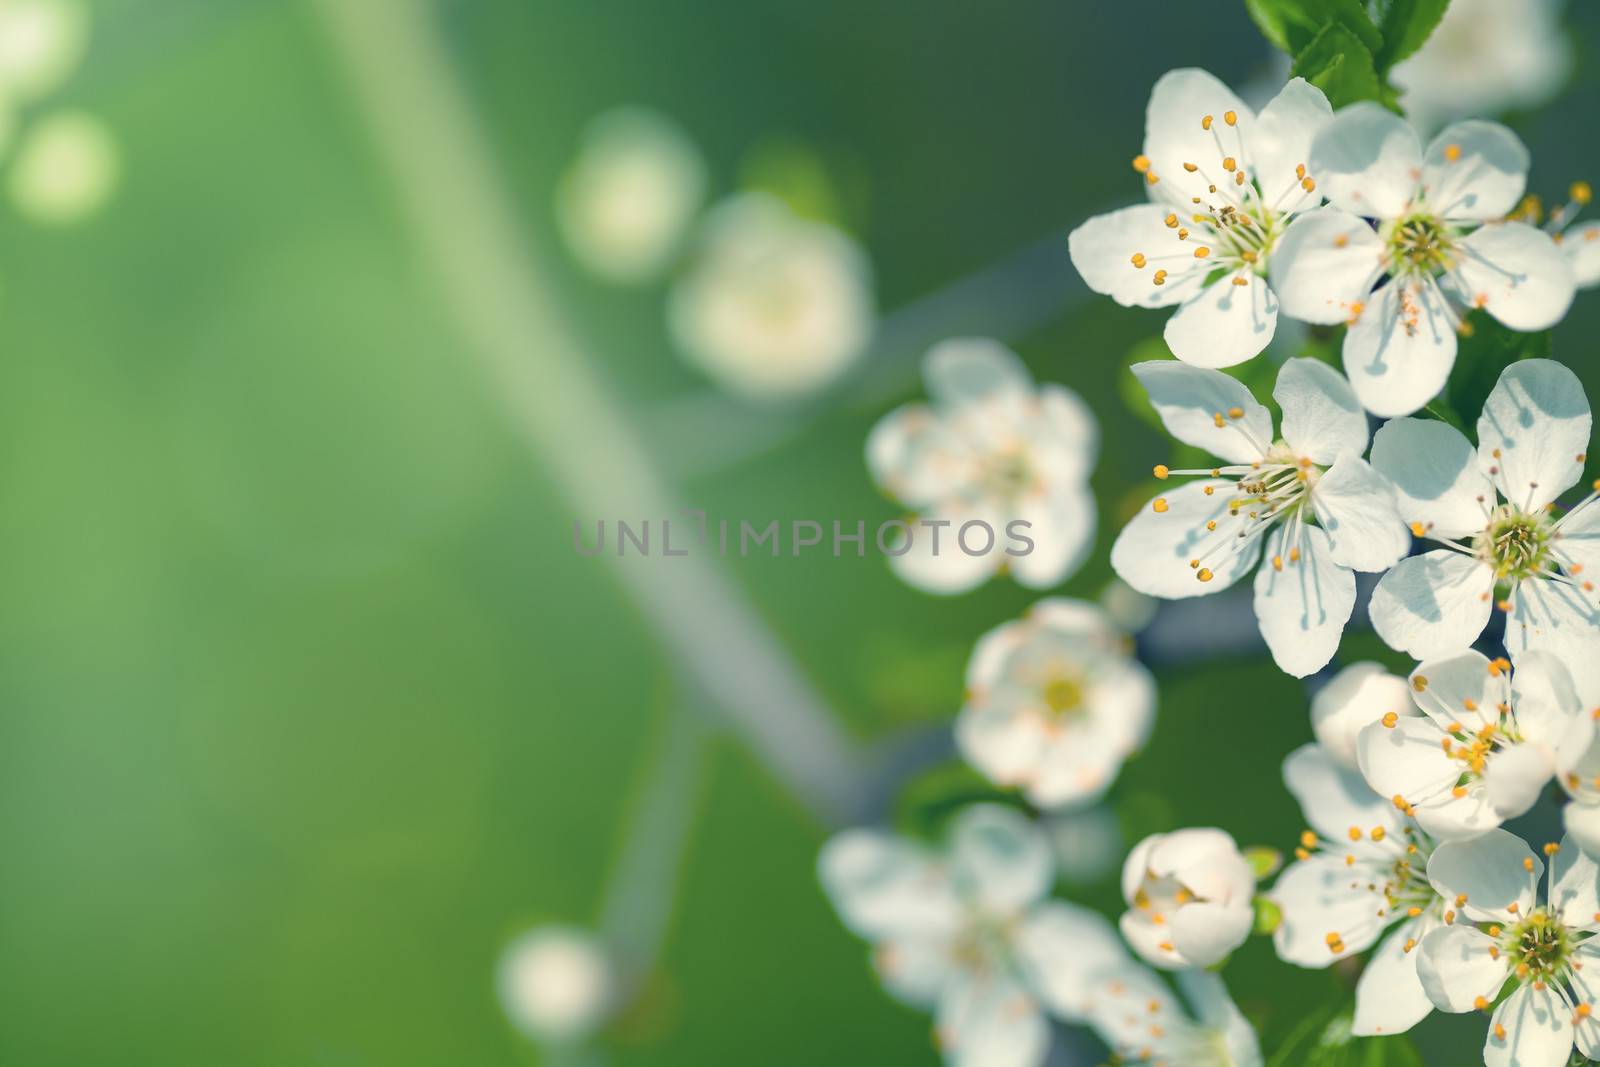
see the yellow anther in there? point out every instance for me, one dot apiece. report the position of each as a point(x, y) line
point(1452, 152)
point(1378, 833)
point(1138, 259)
point(1551, 848)
point(1231, 118)
point(1308, 839)
point(1277, 563)
point(1241, 280)
point(1141, 163)
point(1418, 530)
point(1160, 277)
point(1236, 413)
point(1216, 418)
point(1390, 719)
point(1171, 221)
point(1205, 123)
point(1294, 555)
point(1227, 162)
point(1159, 505)
point(1150, 178)
point(1205, 574)
point(1499, 1032)
point(1190, 167)
point(1527, 863)
point(1161, 471)
point(1413, 912)
point(1419, 682)
point(1355, 833)
point(1411, 943)
point(1308, 184)
point(1202, 252)
point(1581, 193)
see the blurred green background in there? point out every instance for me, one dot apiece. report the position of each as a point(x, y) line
point(308, 706)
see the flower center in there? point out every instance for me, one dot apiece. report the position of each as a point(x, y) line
point(1419, 245)
point(1063, 695)
point(1516, 543)
point(984, 944)
point(1538, 947)
point(1007, 474)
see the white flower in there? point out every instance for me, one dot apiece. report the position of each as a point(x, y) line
point(1491, 509)
point(1307, 500)
point(1055, 704)
point(972, 935)
point(556, 983)
point(1223, 184)
point(773, 305)
point(994, 449)
point(1490, 738)
point(41, 42)
point(1485, 57)
point(626, 201)
point(1440, 236)
point(67, 167)
point(1545, 952)
point(1359, 694)
point(1578, 240)
point(1135, 1013)
point(1189, 896)
point(1357, 875)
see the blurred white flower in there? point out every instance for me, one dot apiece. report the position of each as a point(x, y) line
point(1485, 57)
point(772, 305)
point(1358, 695)
point(1223, 183)
point(1533, 439)
point(1189, 896)
point(626, 202)
point(972, 934)
point(1136, 1015)
point(1545, 952)
point(1358, 873)
point(556, 983)
point(1491, 736)
point(66, 168)
point(1441, 239)
point(1208, 534)
point(992, 448)
point(41, 43)
point(1055, 704)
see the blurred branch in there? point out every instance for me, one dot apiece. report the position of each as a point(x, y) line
point(469, 235)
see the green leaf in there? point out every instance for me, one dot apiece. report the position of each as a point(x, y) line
point(1293, 24)
point(929, 800)
point(1487, 349)
point(1406, 25)
point(1337, 62)
point(1264, 862)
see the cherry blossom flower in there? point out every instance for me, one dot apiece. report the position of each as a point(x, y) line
point(1485, 57)
point(772, 305)
point(1306, 501)
point(1223, 184)
point(1358, 876)
point(1189, 896)
point(1135, 1013)
point(1439, 237)
point(992, 449)
point(1493, 511)
point(971, 934)
point(1578, 239)
point(1545, 952)
point(1055, 704)
point(1360, 694)
point(1491, 736)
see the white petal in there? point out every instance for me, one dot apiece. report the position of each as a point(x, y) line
point(1578, 536)
point(935, 563)
point(1581, 819)
point(1576, 892)
point(1581, 246)
point(1152, 943)
point(1356, 697)
point(1515, 777)
point(1216, 1011)
point(1136, 866)
point(1535, 428)
point(990, 656)
point(884, 886)
point(1000, 857)
point(1062, 947)
point(1122, 1000)
point(1207, 861)
point(1538, 1028)
point(1004, 745)
point(1061, 525)
point(1302, 608)
point(914, 970)
point(1281, 138)
point(1065, 437)
point(1475, 170)
point(1406, 760)
point(1389, 995)
point(1075, 769)
point(1324, 266)
point(1103, 248)
point(1316, 899)
point(1173, 134)
point(963, 370)
point(1189, 401)
point(1459, 689)
point(1400, 349)
point(1543, 697)
point(990, 1021)
point(1436, 474)
point(1517, 274)
point(1334, 799)
point(1205, 933)
point(904, 453)
point(1360, 511)
point(1432, 604)
point(1322, 419)
point(1154, 550)
point(1227, 322)
point(1551, 616)
point(1368, 161)
point(1493, 872)
point(1455, 967)
point(1451, 818)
